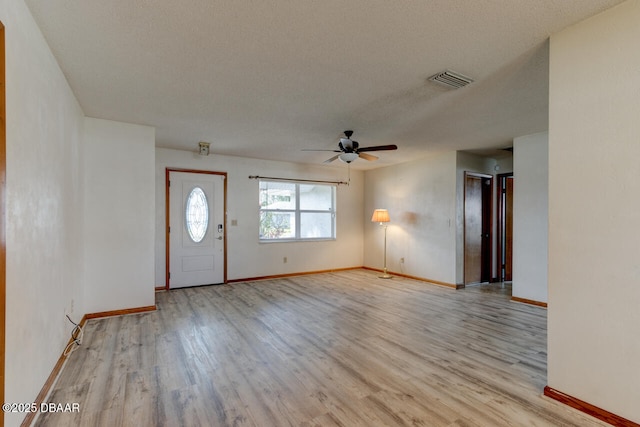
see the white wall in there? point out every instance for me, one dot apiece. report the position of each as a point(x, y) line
point(44, 208)
point(119, 209)
point(421, 199)
point(594, 211)
point(246, 256)
point(530, 216)
point(504, 164)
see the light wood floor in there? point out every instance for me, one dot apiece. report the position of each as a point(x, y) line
point(339, 349)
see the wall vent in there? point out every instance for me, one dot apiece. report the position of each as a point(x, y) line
point(451, 79)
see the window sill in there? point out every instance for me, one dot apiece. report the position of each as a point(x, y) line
point(327, 239)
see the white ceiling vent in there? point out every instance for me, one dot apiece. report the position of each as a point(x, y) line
point(451, 79)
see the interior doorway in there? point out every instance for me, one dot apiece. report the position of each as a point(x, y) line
point(505, 227)
point(478, 190)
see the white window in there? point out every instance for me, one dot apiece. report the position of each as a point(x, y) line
point(295, 211)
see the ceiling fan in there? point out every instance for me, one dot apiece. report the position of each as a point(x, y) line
point(350, 150)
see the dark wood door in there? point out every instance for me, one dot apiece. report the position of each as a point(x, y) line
point(508, 230)
point(477, 228)
point(505, 227)
point(472, 229)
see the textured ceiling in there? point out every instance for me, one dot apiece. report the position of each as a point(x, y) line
point(266, 79)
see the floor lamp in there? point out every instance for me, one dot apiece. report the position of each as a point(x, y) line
point(382, 216)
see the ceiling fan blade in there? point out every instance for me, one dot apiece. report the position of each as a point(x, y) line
point(331, 159)
point(368, 157)
point(311, 149)
point(378, 148)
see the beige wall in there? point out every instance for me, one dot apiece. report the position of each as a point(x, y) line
point(119, 211)
point(421, 199)
point(594, 211)
point(425, 199)
point(246, 256)
point(530, 216)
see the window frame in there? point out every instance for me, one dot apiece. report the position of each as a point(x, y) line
point(297, 212)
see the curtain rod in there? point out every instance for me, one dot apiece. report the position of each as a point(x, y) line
point(299, 180)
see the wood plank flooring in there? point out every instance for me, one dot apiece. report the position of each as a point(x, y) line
point(335, 349)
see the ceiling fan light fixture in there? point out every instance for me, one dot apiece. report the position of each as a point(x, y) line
point(348, 157)
point(349, 150)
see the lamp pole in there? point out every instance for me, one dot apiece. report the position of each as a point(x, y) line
point(385, 275)
point(382, 216)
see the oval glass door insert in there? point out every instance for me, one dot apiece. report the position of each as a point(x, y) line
point(197, 214)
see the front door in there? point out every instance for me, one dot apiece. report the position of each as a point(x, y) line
point(196, 229)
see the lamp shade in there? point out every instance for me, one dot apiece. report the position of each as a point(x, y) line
point(380, 215)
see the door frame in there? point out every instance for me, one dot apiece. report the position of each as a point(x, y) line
point(501, 226)
point(167, 218)
point(487, 206)
point(3, 213)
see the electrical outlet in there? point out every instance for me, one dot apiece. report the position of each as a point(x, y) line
point(402, 260)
